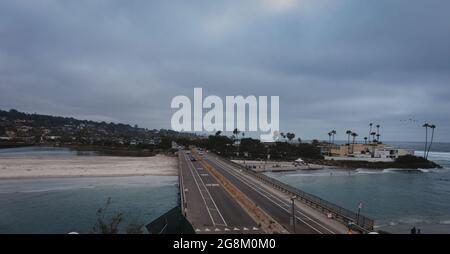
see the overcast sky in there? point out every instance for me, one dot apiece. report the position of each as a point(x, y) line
point(335, 64)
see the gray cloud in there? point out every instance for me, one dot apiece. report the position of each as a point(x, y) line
point(334, 64)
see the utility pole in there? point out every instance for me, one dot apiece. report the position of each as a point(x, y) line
point(293, 212)
point(359, 211)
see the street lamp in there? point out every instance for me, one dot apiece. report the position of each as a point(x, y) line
point(359, 211)
point(293, 212)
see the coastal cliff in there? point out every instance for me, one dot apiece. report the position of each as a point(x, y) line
point(403, 162)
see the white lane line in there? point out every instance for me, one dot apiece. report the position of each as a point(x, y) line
point(214, 203)
point(195, 180)
point(286, 204)
point(247, 182)
point(277, 204)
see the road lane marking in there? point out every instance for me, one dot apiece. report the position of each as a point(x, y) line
point(201, 194)
point(283, 202)
point(247, 182)
point(212, 200)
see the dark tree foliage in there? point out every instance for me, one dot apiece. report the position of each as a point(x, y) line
point(253, 148)
point(166, 143)
point(220, 144)
point(51, 121)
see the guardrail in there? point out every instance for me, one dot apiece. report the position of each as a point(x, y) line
point(353, 219)
point(181, 185)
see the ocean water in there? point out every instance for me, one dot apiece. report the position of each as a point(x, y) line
point(60, 206)
point(396, 200)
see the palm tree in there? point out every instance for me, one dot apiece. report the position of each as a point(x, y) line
point(236, 136)
point(333, 132)
point(329, 142)
point(432, 126)
point(373, 136)
point(370, 130)
point(354, 135)
point(365, 140)
point(378, 132)
point(290, 136)
point(348, 132)
point(425, 125)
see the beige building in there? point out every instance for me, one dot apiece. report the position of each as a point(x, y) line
point(348, 150)
point(371, 151)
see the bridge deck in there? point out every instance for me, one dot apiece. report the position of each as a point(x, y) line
point(210, 208)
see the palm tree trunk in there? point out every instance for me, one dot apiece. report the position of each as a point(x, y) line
point(348, 143)
point(431, 142)
point(329, 144)
point(426, 142)
point(353, 146)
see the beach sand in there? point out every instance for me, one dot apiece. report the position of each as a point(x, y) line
point(85, 166)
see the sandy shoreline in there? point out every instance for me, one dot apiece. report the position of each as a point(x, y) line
point(85, 166)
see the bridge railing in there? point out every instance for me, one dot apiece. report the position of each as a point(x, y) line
point(181, 185)
point(339, 213)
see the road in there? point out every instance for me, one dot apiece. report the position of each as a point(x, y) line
point(278, 208)
point(209, 207)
